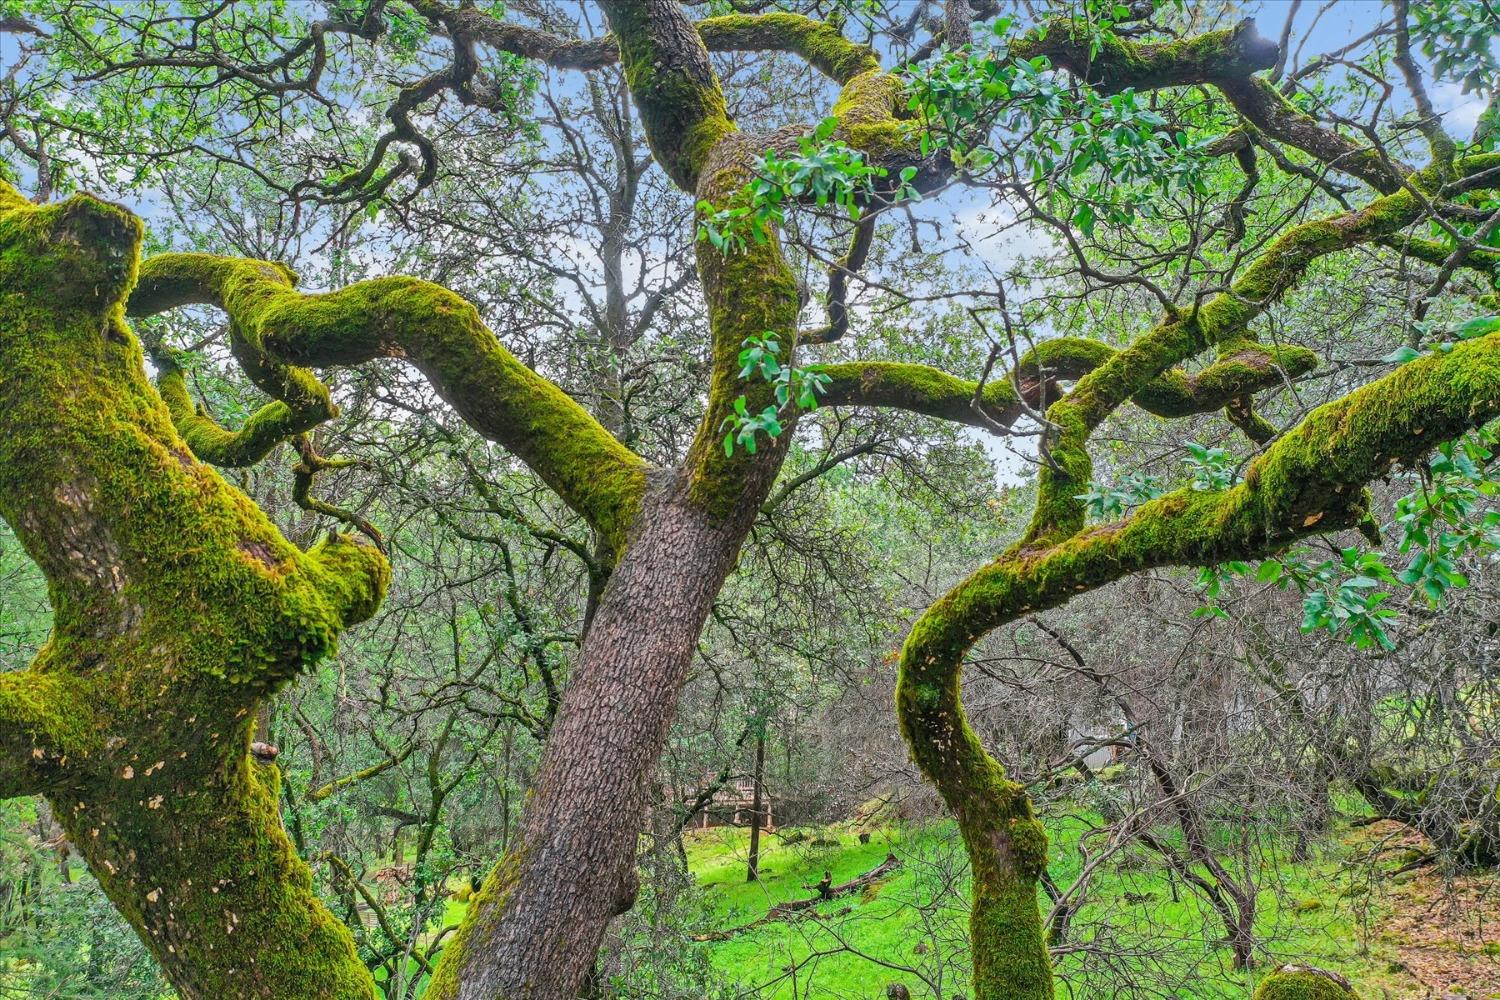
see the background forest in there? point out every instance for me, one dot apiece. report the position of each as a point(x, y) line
point(1294, 759)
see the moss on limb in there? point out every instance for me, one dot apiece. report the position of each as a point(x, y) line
point(817, 42)
point(442, 335)
point(267, 427)
point(1222, 322)
point(42, 722)
point(1227, 59)
point(1112, 64)
point(1312, 480)
point(821, 44)
point(1175, 393)
point(749, 293)
point(674, 87)
point(178, 608)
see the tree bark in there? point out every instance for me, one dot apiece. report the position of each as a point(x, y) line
point(178, 609)
point(544, 909)
point(752, 873)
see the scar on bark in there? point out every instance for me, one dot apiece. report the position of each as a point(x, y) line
point(260, 552)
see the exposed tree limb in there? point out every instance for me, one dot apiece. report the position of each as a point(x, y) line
point(442, 335)
point(1311, 480)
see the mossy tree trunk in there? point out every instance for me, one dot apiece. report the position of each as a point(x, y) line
point(178, 609)
point(1310, 480)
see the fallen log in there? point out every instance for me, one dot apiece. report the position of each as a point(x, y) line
point(795, 907)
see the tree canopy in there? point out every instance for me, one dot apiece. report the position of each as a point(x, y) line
point(648, 401)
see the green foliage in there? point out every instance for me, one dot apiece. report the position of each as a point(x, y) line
point(62, 938)
point(1459, 37)
point(922, 902)
point(1211, 468)
point(824, 171)
point(1450, 516)
point(792, 385)
point(1107, 503)
point(1094, 156)
point(1479, 326)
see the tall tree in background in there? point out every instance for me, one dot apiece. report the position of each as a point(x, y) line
point(180, 610)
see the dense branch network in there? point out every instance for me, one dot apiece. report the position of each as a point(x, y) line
point(1310, 479)
point(277, 328)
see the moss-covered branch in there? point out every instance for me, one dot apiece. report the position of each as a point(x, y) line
point(1175, 393)
point(675, 89)
point(42, 724)
point(1222, 322)
point(818, 43)
point(177, 609)
point(1226, 59)
point(1111, 63)
point(1482, 261)
point(1312, 480)
point(442, 335)
point(266, 428)
point(749, 293)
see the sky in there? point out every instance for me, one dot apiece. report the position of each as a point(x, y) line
point(1318, 27)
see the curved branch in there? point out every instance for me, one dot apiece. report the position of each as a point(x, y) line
point(266, 428)
point(819, 43)
point(1223, 322)
point(674, 86)
point(1227, 59)
point(440, 333)
point(1112, 64)
point(1310, 481)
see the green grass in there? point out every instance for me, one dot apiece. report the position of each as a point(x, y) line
point(1306, 913)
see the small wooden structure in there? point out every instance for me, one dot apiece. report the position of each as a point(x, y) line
point(734, 805)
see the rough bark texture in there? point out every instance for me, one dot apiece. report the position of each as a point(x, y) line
point(545, 908)
point(178, 609)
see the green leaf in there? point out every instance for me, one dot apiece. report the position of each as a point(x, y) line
point(1270, 571)
point(1477, 327)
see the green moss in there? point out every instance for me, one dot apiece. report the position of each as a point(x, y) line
point(1293, 983)
point(1113, 63)
point(1286, 260)
point(264, 430)
point(440, 333)
point(177, 609)
point(1310, 480)
point(866, 109)
point(1243, 365)
point(675, 90)
point(749, 293)
point(480, 920)
point(821, 44)
point(920, 389)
